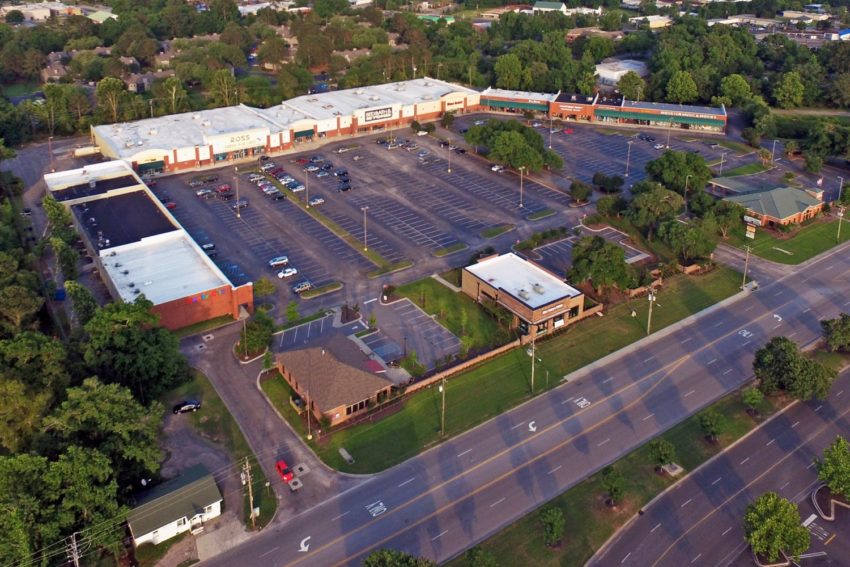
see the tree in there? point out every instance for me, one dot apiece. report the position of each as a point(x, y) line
point(273, 51)
point(478, 557)
point(752, 398)
point(681, 88)
point(66, 257)
point(84, 302)
point(814, 163)
point(127, 347)
point(839, 90)
point(258, 333)
point(663, 452)
point(554, 524)
point(610, 205)
point(834, 469)
point(789, 90)
point(327, 8)
point(512, 149)
point(447, 120)
point(223, 88)
point(613, 483)
point(736, 89)
point(678, 170)
point(711, 423)
point(606, 183)
point(837, 332)
point(18, 306)
point(632, 86)
point(395, 558)
point(653, 207)
point(110, 94)
point(727, 215)
point(772, 525)
point(780, 365)
point(174, 93)
point(580, 191)
point(508, 71)
point(690, 241)
point(14, 17)
point(601, 262)
point(264, 287)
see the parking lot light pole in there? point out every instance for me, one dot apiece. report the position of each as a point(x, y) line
point(50, 151)
point(840, 209)
point(449, 170)
point(365, 241)
point(746, 266)
point(550, 132)
point(649, 318)
point(687, 178)
point(442, 388)
point(722, 157)
point(238, 208)
point(669, 130)
point(307, 188)
point(628, 156)
point(773, 152)
point(521, 168)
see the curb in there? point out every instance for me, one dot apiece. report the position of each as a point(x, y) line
point(252, 360)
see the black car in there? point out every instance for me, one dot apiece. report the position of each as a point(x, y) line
point(210, 178)
point(341, 172)
point(278, 196)
point(343, 178)
point(344, 186)
point(460, 150)
point(187, 406)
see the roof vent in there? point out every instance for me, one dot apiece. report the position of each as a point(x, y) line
point(149, 282)
point(374, 97)
point(92, 183)
point(152, 132)
point(125, 272)
point(131, 285)
point(137, 291)
point(524, 294)
point(206, 123)
point(140, 143)
point(196, 117)
point(539, 288)
point(358, 92)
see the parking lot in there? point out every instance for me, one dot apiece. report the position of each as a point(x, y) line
point(557, 256)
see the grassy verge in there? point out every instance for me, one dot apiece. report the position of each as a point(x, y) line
point(216, 424)
point(655, 247)
point(541, 214)
point(203, 326)
point(148, 554)
point(809, 241)
point(589, 521)
point(389, 269)
point(452, 276)
point(747, 169)
point(456, 311)
point(279, 393)
point(495, 231)
point(321, 290)
point(737, 147)
point(504, 381)
point(445, 251)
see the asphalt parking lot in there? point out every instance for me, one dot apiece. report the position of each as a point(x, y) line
point(557, 256)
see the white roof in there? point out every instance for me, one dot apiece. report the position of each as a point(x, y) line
point(92, 172)
point(527, 282)
point(163, 267)
point(615, 66)
point(345, 102)
point(501, 93)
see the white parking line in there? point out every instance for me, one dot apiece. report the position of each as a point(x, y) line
point(647, 417)
point(556, 469)
point(744, 461)
point(795, 424)
point(729, 529)
point(784, 485)
point(769, 443)
point(686, 502)
point(603, 442)
point(716, 480)
point(727, 371)
point(626, 557)
point(658, 525)
point(712, 361)
point(695, 559)
point(439, 535)
point(464, 453)
point(408, 481)
point(497, 502)
point(689, 393)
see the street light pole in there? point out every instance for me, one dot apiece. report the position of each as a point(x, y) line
point(365, 241)
point(773, 152)
point(649, 318)
point(840, 208)
point(307, 188)
point(746, 266)
point(533, 359)
point(443, 408)
point(668, 138)
point(521, 168)
point(50, 151)
point(238, 208)
point(449, 150)
point(687, 178)
point(628, 156)
point(722, 156)
point(550, 132)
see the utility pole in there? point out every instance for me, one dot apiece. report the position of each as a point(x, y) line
point(534, 336)
point(449, 170)
point(73, 551)
point(365, 241)
point(50, 151)
point(443, 409)
point(649, 319)
point(840, 208)
point(246, 468)
point(307, 188)
point(746, 265)
point(628, 156)
point(722, 156)
point(151, 105)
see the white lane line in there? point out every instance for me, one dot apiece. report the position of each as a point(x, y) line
point(439, 535)
point(695, 559)
point(689, 393)
point(626, 557)
point(658, 525)
point(648, 359)
point(464, 453)
point(370, 301)
point(408, 481)
point(795, 424)
point(688, 501)
point(647, 417)
point(269, 552)
point(729, 529)
point(784, 485)
point(341, 515)
point(568, 400)
point(602, 443)
point(718, 324)
point(556, 469)
point(518, 425)
point(744, 461)
point(716, 480)
point(777, 325)
point(778, 293)
point(807, 309)
point(838, 395)
point(769, 443)
point(792, 334)
point(810, 466)
point(497, 502)
point(819, 407)
point(607, 380)
point(750, 307)
point(687, 340)
point(746, 343)
point(712, 361)
point(727, 371)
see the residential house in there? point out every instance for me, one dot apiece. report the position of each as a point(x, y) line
point(179, 505)
point(54, 72)
point(130, 63)
point(139, 82)
point(335, 378)
point(101, 16)
point(543, 6)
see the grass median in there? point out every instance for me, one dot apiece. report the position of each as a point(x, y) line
point(809, 241)
point(747, 169)
point(504, 381)
point(495, 231)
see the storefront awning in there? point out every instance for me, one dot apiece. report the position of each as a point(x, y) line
point(626, 115)
point(543, 107)
point(305, 134)
point(150, 166)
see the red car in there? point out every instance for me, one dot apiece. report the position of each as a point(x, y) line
point(283, 471)
point(568, 131)
point(171, 205)
point(302, 161)
point(223, 188)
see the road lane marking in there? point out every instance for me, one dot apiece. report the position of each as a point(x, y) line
point(658, 525)
point(712, 361)
point(744, 461)
point(687, 340)
point(602, 443)
point(819, 407)
point(518, 425)
point(746, 343)
point(408, 481)
point(718, 324)
point(795, 424)
point(340, 516)
point(497, 502)
point(556, 469)
point(716, 480)
point(464, 453)
point(269, 552)
point(727, 371)
point(439, 535)
point(777, 325)
point(647, 417)
point(568, 400)
point(838, 395)
point(807, 309)
point(784, 485)
point(769, 443)
point(370, 301)
point(778, 293)
point(689, 393)
point(810, 466)
point(607, 380)
point(626, 557)
point(729, 529)
point(648, 359)
point(688, 501)
point(695, 559)
point(750, 307)
point(792, 334)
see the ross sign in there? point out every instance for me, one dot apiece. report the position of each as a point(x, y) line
point(752, 220)
point(751, 231)
point(223, 143)
point(378, 114)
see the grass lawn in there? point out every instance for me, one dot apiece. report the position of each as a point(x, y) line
point(148, 554)
point(655, 247)
point(737, 147)
point(203, 326)
point(589, 522)
point(503, 382)
point(445, 251)
point(809, 241)
point(452, 276)
point(323, 290)
point(748, 169)
point(279, 392)
point(215, 423)
point(20, 89)
point(456, 311)
point(545, 213)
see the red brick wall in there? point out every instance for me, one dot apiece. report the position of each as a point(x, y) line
point(203, 306)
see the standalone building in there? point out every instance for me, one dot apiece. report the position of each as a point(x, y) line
point(778, 206)
point(138, 247)
point(543, 7)
point(539, 301)
point(610, 71)
point(176, 506)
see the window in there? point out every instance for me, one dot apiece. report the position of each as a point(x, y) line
point(573, 312)
point(208, 509)
point(181, 522)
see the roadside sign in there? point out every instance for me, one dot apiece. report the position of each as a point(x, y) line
point(751, 231)
point(752, 220)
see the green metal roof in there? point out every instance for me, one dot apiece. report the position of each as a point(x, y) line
point(549, 5)
point(513, 104)
point(779, 203)
point(626, 115)
point(182, 497)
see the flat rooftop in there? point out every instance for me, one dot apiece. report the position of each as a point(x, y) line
point(345, 102)
point(576, 98)
point(715, 110)
point(76, 183)
point(94, 187)
point(119, 220)
point(164, 267)
point(526, 282)
point(617, 65)
point(502, 93)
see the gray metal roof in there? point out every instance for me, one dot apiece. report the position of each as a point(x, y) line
point(715, 110)
point(779, 203)
point(182, 497)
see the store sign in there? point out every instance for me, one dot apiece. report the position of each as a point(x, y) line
point(689, 114)
point(752, 220)
point(751, 231)
point(571, 108)
point(378, 114)
point(236, 141)
point(451, 103)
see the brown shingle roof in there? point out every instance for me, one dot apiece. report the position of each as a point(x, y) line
point(333, 372)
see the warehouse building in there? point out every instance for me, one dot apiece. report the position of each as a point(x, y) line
point(139, 248)
point(610, 71)
point(221, 135)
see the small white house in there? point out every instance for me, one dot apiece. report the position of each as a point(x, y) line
point(176, 506)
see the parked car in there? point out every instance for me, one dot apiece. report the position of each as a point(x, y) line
point(357, 158)
point(267, 166)
point(302, 286)
point(204, 191)
point(497, 168)
point(278, 261)
point(209, 178)
point(187, 406)
point(226, 196)
point(269, 190)
point(322, 174)
point(311, 168)
point(327, 166)
point(208, 246)
point(240, 204)
point(302, 161)
point(170, 205)
point(277, 196)
point(479, 123)
point(283, 471)
point(658, 146)
point(223, 188)
point(316, 201)
point(287, 273)
point(254, 177)
point(422, 154)
point(295, 187)
point(568, 130)
point(460, 150)
point(317, 159)
point(422, 133)
point(195, 182)
point(344, 186)
point(340, 171)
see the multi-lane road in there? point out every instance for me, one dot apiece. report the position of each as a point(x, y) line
point(443, 501)
point(699, 521)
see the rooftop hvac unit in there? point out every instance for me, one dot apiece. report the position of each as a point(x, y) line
point(358, 92)
point(125, 272)
point(149, 282)
point(539, 289)
point(92, 183)
point(131, 285)
point(374, 97)
point(524, 294)
point(152, 132)
point(196, 117)
point(140, 143)
point(137, 291)
point(206, 123)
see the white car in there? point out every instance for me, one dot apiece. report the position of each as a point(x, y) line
point(254, 177)
point(270, 189)
point(297, 188)
point(311, 168)
point(316, 201)
point(204, 191)
point(422, 133)
point(497, 168)
point(278, 261)
point(267, 166)
point(322, 174)
point(658, 146)
point(287, 273)
point(479, 123)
